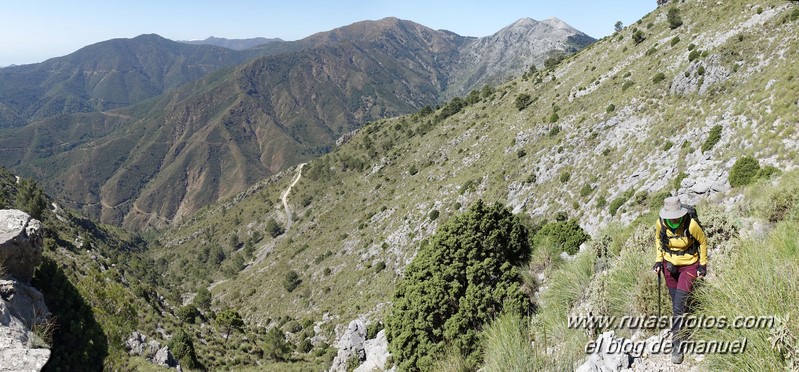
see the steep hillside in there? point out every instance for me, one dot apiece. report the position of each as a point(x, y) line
point(601, 137)
point(103, 76)
point(162, 159)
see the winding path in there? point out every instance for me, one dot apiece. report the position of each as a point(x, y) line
point(285, 195)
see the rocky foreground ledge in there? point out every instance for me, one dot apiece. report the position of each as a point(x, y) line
point(21, 306)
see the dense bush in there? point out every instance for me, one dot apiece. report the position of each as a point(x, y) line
point(615, 204)
point(275, 345)
point(273, 228)
point(638, 36)
point(586, 189)
point(627, 84)
point(291, 281)
point(712, 139)
point(566, 235)
point(744, 171)
point(461, 280)
point(182, 348)
point(658, 77)
point(522, 101)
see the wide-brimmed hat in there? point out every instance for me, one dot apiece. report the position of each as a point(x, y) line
point(672, 208)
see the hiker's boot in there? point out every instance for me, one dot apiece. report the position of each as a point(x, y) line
point(676, 351)
point(676, 358)
point(678, 309)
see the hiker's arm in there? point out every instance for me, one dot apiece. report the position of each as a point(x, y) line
point(699, 235)
point(659, 252)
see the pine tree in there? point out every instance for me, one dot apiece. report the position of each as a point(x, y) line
point(30, 199)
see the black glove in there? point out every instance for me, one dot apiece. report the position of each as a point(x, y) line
point(657, 267)
point(701, 270)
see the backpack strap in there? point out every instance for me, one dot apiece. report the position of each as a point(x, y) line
point(664, 239)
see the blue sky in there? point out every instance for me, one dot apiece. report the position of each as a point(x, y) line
point(35, 30)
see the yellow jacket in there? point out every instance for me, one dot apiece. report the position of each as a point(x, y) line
point(679, 242)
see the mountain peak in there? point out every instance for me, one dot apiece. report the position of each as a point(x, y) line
point(559, 24)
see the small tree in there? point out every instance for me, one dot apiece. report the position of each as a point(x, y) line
point(30, 199)
point(673, 17)
point(202, 299)
point(229, 320)
point(182, 347)
point(291, 281)
point(275, 345)
point(618, 26)
point(273, 228)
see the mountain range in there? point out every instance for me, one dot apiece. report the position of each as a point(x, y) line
point(235, 44)
point(181, 144)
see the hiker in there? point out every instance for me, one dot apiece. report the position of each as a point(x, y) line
point(682, 257)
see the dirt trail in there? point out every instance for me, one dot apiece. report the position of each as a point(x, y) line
point(285, 195)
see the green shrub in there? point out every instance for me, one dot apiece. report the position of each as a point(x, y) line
point(182, 348)
point(668, 145)
point(693, 55)
point(413, 170)
point(554, 118)
point(187, 314)
point(712, 138)
point(273, 228)
point(275, 345)
point(305, 346)
point(768, 171)
point(564, 235)
point(638, 36)
point(433, 214)
point(521, 153)
point(627, 84)
point(291, 281)
point(565, 176)
point(554, 130)
point(464, 278)
point(586, 190)
point(379, 266)
point(611, 107)
point(673, 17)
point(744, 171)
point(522, 101)
point(616, 204)
point(600, 203)
point(674, 41)
point(700, 71)
point(651, 51)
point(691, 47)
point(658, 77)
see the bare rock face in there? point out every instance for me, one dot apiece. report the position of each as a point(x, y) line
point(350, 345)
point(22, 308)
point(20, 244)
